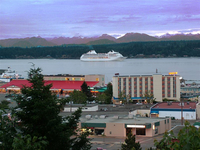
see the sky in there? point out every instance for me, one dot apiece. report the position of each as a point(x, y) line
point(87, 18)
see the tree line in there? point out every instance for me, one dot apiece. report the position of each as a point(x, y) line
point(132, 49)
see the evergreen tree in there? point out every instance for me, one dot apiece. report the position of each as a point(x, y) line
point(40, 118)
point(109, 93)
point(4, 104)
point(130, 143)
point(85, 89)
point(7, 131)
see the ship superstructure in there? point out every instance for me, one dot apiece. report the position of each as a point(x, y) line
point(110, 56)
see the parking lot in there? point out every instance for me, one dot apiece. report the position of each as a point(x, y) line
point(112, 143)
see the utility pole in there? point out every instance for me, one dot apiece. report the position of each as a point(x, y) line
point(181, 111)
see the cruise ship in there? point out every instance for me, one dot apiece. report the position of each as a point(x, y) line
point(110, 56)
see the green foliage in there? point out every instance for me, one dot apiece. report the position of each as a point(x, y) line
point(109, 93)
point(166, 142)
point(78, 97)
point(123, 97)
point(149, 97)
point(28, 143)
point(86, 90)
point(166, 100)
point(7, 131)
point(75, 141)
point(39, 110)
point(188, 139)
point(82, 142)
point(101, 98)
point(163, 48)
point(39, 116)
point(130, 143)
point(4, 104)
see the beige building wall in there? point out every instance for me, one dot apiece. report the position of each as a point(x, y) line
point(96, 77)
point(115, 129)
point(115, 87)
point(162, 127)
point(177, 97)
point(157, 87)
point(149, 132)
point(144, 83)
point(198, 110)
point(65, 78)
point(142, 112)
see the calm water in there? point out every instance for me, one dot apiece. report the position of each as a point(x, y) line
point(188, 68)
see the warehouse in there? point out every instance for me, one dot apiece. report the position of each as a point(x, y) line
point(57, 86)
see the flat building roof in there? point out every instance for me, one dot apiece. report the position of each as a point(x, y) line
point(125, 120)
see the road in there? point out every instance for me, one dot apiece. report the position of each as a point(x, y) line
point(113, 143)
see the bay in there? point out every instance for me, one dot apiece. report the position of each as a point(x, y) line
point(188, 68)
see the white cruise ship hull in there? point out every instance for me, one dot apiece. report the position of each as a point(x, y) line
point(108, 59)
point(110, 56)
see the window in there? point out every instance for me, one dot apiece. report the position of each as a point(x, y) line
point(97, 79)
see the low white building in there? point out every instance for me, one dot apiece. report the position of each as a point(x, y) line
point(187, 110)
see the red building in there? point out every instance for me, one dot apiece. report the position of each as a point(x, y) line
point(66, 86)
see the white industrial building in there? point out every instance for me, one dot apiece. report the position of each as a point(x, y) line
point(187, 110)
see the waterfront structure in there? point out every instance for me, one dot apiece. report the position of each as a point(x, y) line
point(57, 86)
point(120, 127)
point(8, 75)
point(135, 86)
point(177, 110)
point(68, 77)
point(190, 90)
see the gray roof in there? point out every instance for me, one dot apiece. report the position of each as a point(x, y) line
point(125, 120)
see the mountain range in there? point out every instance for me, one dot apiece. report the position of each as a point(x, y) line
point(99, 40)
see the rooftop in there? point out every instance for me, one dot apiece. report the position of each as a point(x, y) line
point(175, 105)
point(144, 75)
point(64, 75)
point(125, 120)
point(55, 84)
point(192, 81)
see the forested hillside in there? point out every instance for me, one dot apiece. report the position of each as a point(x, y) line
point(133, 49)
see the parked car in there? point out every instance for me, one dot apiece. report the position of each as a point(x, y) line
point(138, 103)
point(104, 109)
